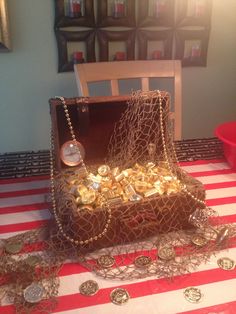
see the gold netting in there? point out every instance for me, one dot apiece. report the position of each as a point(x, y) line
point(132, 234)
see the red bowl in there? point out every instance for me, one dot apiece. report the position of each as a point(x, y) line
point(226, 132)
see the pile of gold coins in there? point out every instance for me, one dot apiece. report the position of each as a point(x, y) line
point(115, 186)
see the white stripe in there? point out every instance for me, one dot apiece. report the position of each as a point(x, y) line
point(24, 186)
point(206, 167)
point(220, 193)
point(22, 200)
point(29, 216)
point(225, 209)
point(218, 178)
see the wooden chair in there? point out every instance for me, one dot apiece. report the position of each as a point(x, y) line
point(118, 70)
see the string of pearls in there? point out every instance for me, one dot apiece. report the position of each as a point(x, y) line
point(54, 207)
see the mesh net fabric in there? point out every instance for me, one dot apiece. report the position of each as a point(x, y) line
point(134, 229)
point(142, 135)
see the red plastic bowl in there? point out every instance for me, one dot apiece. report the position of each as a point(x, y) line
point(226, 132)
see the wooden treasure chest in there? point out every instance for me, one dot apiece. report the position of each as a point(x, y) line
point(124, 185)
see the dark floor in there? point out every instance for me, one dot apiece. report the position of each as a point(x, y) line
point(31, 163)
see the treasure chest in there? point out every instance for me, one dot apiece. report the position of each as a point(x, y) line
point(122, 183)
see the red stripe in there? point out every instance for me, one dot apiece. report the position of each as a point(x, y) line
point(221, 201)
point(23, 208)
point(23, 226)
point(220, 185)
point(225, 308)
point(222, 220)
point(201, 162)
point(25, 179)
point(24, 192)
point(210, 173)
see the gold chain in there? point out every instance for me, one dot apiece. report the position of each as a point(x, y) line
point(54, 208)
point(166, 155)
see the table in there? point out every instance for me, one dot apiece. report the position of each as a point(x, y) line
point(23, 207)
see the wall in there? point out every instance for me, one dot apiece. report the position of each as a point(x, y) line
point(28, 77)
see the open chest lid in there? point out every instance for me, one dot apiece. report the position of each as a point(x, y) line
point(94, 118)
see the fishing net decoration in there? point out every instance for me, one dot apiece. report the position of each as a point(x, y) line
point(164, 234)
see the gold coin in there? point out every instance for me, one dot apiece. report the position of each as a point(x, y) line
point(142, 261)
point(199, 240)
point(33, 260)
point(135, 198)
point(106, 261)
point(150, 165)
point(119, 296)
point(141, 186)
point(89, 288)
point(192, 294)
point(151, 192)
point(85, 208)
point(166, 253)
point(33, 293)
point(115, 171)
point(226, 263)
point(104, 170)
point(88, 197)
point(14, 247)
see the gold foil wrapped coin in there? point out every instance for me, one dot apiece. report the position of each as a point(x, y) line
point(151, 192)
point(192, 294)
point(135, 198)
point(226, 263)
point(13, 247)
point(115, 171)
point(106, 261)
point(85, 208)
point(89, 288)
point(34, 293)
point(199, 240)
point(88, 197)
point(128, 172)
point(115, 201)
point(119, 177)
point(104, 170)
point(141, 186)
point(119, 296)
point(166, 253)
point(142, 261)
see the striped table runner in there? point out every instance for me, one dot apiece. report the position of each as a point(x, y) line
point(23, 207)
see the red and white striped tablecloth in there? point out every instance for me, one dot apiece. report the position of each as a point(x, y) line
point(23, 207)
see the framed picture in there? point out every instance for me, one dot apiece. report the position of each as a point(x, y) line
point(74, 13)
point(156, 13)
point(155, 44)
point(116, 13)
point(83, 39)
point(5, 43)
point(194, 12)
point(191, 47)
point(126, 40)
